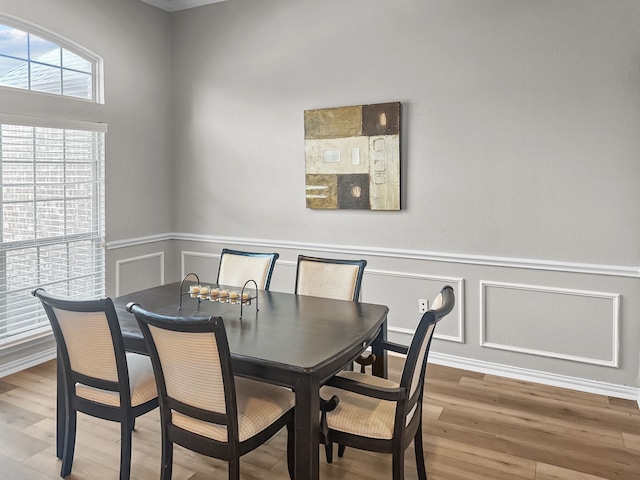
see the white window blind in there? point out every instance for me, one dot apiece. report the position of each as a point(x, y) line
point(52, 196)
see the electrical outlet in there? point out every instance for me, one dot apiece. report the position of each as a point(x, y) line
point(423, 305)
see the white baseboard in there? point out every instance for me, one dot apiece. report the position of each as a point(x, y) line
point(27, 362)
point(535, 376)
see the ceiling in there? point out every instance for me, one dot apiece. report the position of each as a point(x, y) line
point(175, 5)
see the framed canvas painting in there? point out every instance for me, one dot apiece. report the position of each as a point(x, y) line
point(352, 157)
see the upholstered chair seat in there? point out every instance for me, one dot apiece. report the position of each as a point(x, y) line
point(361, 414)
point(259, 405)
point(141, 381)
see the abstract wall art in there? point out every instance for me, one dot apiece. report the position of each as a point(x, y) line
point(352, 157)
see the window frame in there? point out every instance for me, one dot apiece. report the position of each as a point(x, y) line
point(97, 83)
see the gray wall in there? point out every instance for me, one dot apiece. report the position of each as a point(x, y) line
point(520, 156)
point(520, 144)
point(520, 121)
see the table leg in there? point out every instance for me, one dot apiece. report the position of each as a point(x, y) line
point(307, 429)
point(379, 367)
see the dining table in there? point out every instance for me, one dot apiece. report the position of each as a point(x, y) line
point(295, 341)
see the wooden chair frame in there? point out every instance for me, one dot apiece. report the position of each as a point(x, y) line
point(233, 449)
point(403, 434)
point(125, 414)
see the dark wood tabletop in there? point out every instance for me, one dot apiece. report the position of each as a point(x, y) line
point(292, 340)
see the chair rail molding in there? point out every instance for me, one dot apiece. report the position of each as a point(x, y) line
point(486, 260)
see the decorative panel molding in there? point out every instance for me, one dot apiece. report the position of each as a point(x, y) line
point(458, 313)
point(576, 325)
point(208, 264)
point(152, 265)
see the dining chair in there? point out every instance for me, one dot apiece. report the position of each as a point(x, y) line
point(329, 278)
point(236, 267)
point(203, 407)
point(380, 415)
point(332, 278)
point(100, 378)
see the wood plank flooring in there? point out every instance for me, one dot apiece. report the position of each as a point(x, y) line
point(476, 427)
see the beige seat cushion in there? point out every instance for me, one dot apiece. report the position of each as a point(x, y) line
point(141, 380)
point(359, 414)
point(259, 405)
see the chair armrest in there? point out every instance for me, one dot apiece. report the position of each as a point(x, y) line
point(371, 358)
point(395, 347)
point(383, 393)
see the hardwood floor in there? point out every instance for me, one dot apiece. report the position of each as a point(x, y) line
point(476, 427)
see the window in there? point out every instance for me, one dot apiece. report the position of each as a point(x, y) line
point(34, 59)
point(52, 197)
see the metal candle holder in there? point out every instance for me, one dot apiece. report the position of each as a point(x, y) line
point(242, 294)
point(241, 300)
point(182, 283)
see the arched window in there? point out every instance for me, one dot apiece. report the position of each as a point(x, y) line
point(32, 58)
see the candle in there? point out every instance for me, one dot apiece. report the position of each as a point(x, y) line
point(233, 294)
point(194, 290)
point(224, 293)
point(214, 292)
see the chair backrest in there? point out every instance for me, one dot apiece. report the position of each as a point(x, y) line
point(236, 267)
point(89, 340)
point(329, 278)
point(416, 361)
point(192, 366)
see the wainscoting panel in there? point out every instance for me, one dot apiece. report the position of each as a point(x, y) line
point(205, 265)
point(575, 325)
point(401, 291)
point(546, 320)
point(138, 273)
